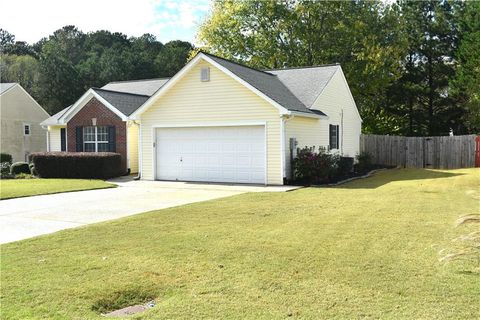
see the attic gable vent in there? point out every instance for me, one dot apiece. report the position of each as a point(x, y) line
point(205, 74)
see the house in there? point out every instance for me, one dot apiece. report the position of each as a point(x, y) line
point(214, 121)
point(100, 121)
point(20, 115)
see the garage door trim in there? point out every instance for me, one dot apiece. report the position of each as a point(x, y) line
point(208, 124)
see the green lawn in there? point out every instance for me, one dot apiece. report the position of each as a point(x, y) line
point(15, 188)
point(367, 249)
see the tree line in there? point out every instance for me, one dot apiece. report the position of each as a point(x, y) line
point(413, 66)
point(58, 69)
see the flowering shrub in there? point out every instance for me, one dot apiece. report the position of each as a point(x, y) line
point(311, 167)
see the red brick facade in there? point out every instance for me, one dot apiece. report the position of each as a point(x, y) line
point(105, 117)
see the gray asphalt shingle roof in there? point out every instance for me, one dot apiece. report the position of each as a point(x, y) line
point(145, 87)
point(295, 89)
point(5, 86)
point(306, 83)
point(126, 103)
point(267, 83)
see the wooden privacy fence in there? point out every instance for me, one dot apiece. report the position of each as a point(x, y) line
point(444, 152)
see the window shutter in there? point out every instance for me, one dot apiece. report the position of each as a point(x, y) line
point(330, 135)
point(337, 129)
point(79, 139)
point(111, 139)
point(63, 140)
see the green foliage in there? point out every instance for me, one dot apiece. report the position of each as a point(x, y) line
point(399, 57)
point(57, 70)
point(364, 162)
point(311, 167)
point(5, 157)
point(363, 36)
point(24, 176)
point(20, 167)
point(5, 167)
point(465, 86)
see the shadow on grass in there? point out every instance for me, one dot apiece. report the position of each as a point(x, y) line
point(384, 177)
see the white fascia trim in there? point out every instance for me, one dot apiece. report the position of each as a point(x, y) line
point(307, 115)
point(212, 124)
point(164, 88)
point(83, 101)
point(280, 108)
point(350, 93)
point(189, 66)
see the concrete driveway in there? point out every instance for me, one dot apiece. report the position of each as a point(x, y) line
point(24, 218)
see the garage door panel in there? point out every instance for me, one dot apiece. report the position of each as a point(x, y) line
point(214, 154)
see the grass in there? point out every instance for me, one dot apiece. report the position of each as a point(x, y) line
point(16, 188)
point(366, 249)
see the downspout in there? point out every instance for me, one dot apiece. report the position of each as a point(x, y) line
point(284, 119)
point(139, 175)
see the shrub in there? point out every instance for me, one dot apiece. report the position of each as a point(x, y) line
point(310, 167)
point(19, 167)
point(86, 165)
point(5, 167)
point(5, 157)
point(345, 166)
point(364, 162)
point(33, 172)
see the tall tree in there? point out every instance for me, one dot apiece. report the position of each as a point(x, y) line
point(428, 66)
point(465, 86)
point(364, 36)
point(172, 58)
point(60, 80)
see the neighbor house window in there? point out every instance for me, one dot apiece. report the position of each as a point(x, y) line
point(26, 129)
point(334, 134)
point(95, 139)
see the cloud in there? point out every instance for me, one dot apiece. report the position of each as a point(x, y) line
point(30, 20)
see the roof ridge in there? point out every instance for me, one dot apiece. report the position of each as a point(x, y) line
point(306, 67)
point(237, 63)
point(122, 92)
point(139, 80)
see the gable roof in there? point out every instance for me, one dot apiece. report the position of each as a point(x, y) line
point(144, 87)
point(124, 96)
point(306, 83)
point(5, 86)
point(291, 90)
point(124, 102)
point(268, 83)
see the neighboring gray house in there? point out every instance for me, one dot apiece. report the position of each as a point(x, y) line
point(20, 115)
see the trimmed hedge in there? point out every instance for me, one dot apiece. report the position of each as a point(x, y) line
point(5, 157)
point(20, 167)
point(82, 165)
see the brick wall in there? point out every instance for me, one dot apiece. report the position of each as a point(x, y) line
point(105, 117)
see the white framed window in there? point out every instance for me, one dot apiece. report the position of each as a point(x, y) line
point(27, 130)
point(95, 139)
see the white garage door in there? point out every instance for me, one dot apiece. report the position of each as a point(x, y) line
point(212, 154)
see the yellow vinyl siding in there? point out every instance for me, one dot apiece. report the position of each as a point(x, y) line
point(315, 132)
point(132, 140)
point(308, 132)
point(54, 138)
point(333, 99)
point(220, 100)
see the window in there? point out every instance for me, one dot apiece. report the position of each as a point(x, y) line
point(26, 129)
point(334, 135)
point(95, 139)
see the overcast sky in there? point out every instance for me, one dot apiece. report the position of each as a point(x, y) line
point(30, 20)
